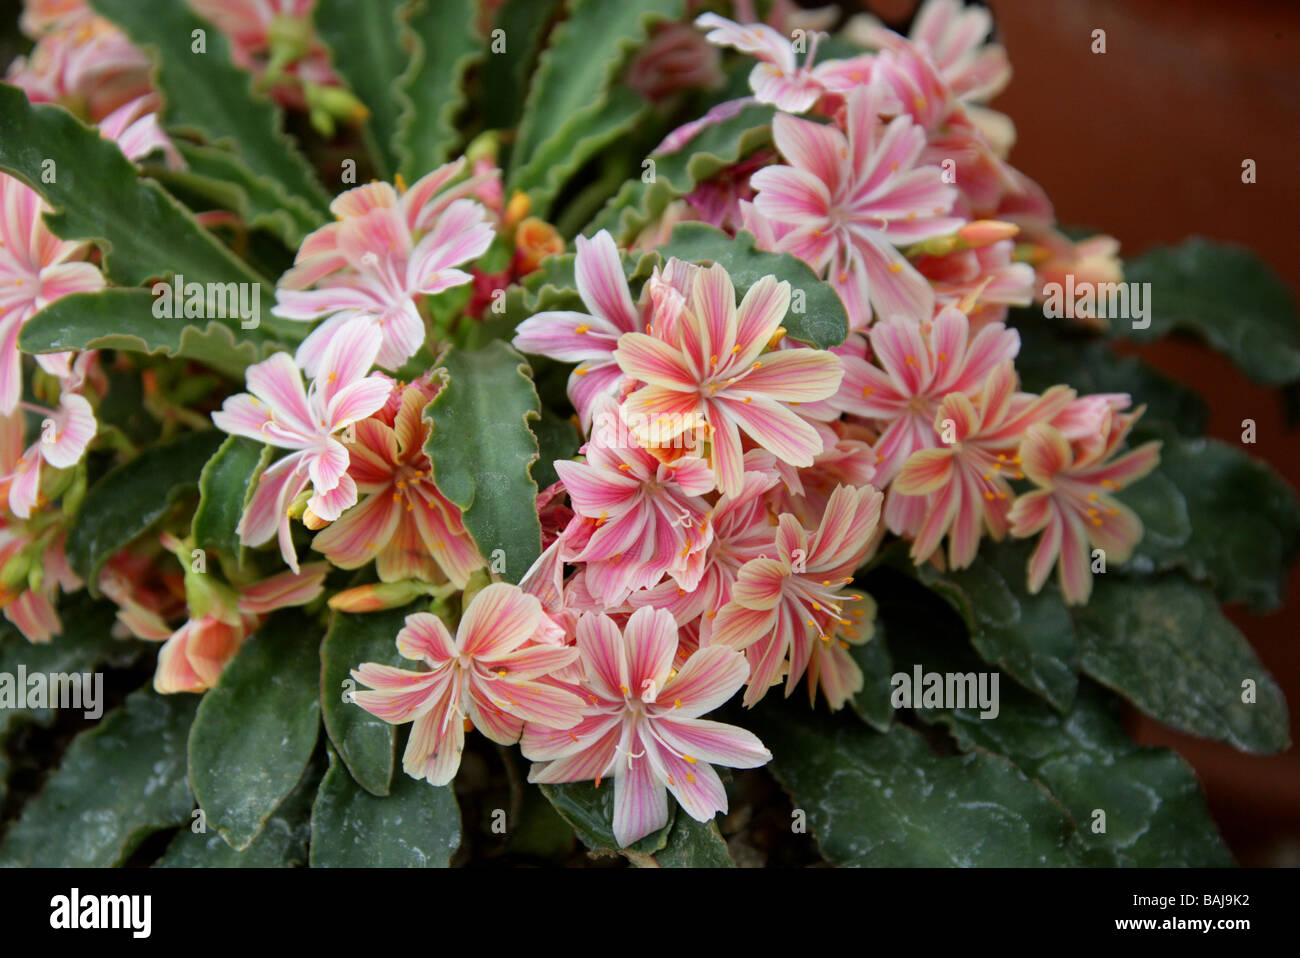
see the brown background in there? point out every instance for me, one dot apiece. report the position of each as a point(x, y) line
point(1145, 142)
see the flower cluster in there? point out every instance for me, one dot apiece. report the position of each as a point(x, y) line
point(732, 477)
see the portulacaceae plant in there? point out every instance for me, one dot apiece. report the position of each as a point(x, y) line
point(651, 409)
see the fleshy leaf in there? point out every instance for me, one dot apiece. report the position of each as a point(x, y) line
point(691, 844)
point(523, 25)
point(1164, 645)
point(224, 179)
point(1225, 295)
point(1028, 635)
point(132, 497)
point(225, 486)
point(97, 195)
point(1155, 813)
point(558, 160)
point(872, 703)
point(283, 843)
point(364, 743)
point(568, 113)
point(117, 318)
point(368, 40)
point(207, 95)
point(416, 826)
point(886, 800)
point(483, 452)
point(256, 728)
point(1242, 521)
point(817, 318)
point(119, 782)
point(446, 46)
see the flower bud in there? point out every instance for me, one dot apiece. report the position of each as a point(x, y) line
point(535, 239)
point(987, 232)
point(379, 596)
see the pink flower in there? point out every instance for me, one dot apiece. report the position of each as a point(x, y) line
point(648, 518)
point(277, 411)
point(919, 365)
point(953, 35)
point(36, 268)
point(791, 604)
point(589, 339)
point(83, 62)
point(702, 366)
point(740, 530)
point(193, 657)
point(777, 78)
point(966, 477)
point(985, 278)
point(675, 59)
point(847, 202)
point(387, 251)
point(404, 522)
point(30, 607)
point(488, 674)
point(1075, 504)
point(134, 128)
point(275, 41)
point(65, 434)
point(643, 726)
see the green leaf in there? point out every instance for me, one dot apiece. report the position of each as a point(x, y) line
point(1030, 636)
point(872, 703)
point(1243, 520)
point(225, 486)
point(1225, 295)
point(1155, 813)
point(123, 319)
point(886, 800)
point(1164, 645)
point(256, 728)
point(823, 321)
point(709, 152)
point(505, 80)
point(446, 46)
point(572, 86)
point(590, 810)
point(483, 451)
point(556, 439)
point(364, 743)
point(417, 826)
point(85, 645)
point(1050, 354)
point(693, 844)
point(225, 179)
point(367, 38)
point(283, 843)
point(145, 233)
point(560, 158)
point(207, 95)
point(129, 499)
point(536, 828)
point(118, 783)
